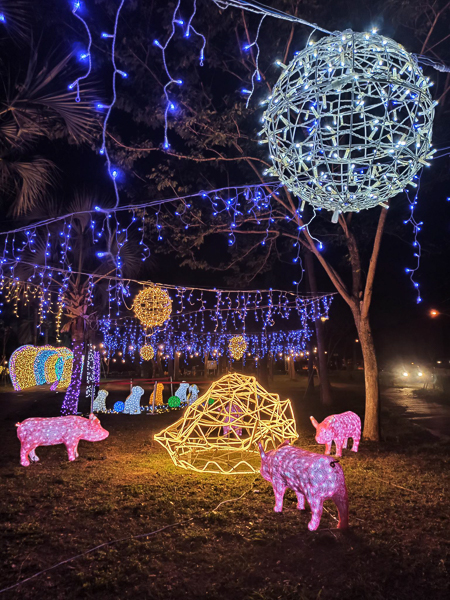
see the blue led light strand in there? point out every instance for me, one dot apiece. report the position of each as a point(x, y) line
point(84, 56)
point(113, 173)
point(416, 226)
point(256, 74)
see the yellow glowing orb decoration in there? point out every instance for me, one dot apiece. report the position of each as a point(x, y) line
point(237, 347)
point(37, 365)
point(147, 352)
point(152, 306)
point(223, 436)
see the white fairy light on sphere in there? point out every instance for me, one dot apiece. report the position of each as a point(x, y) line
point(349, 122)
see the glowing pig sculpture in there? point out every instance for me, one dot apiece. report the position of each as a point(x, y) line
point(312, 476)
point(57, 430)
point(338, 428)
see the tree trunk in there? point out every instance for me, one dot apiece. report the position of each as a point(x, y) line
point(371, 429)
point(324, 380)
point(70, 402)
point(310, 384)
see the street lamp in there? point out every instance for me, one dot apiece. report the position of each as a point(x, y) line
point(434, 313)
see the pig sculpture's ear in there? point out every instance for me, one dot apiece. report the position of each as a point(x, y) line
point(314, 422)
point(261, 450)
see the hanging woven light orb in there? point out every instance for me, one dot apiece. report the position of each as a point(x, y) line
point(152, 306)
point(147, 352)
point(349, 122)
point(237, 347)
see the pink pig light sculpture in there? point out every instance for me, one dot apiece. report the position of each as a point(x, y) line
point(312, 476)
point(57, 430)
point(232, 412)
point(338, 428)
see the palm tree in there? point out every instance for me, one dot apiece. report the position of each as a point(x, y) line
point(32, 110)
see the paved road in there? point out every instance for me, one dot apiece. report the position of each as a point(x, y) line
point(432, 416)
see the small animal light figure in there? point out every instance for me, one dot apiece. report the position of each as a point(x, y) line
point(182, 391)
point(99, 404)
point(193, 393)
point(338, 428)
point(158, 394)
point(312, 476)
point(232, 412)
point(57, 430)
point(133, 401)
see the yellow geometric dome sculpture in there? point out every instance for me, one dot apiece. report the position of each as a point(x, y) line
point(219, 432)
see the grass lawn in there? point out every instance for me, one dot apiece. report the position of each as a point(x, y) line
point(398, 544)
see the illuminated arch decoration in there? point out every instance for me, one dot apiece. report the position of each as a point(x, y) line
point(38, 365)
point(237, 347)
point(242, 409)
point(349, 122)
point(152, 306)
point(147, 352)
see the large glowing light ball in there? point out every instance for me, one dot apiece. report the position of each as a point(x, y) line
point(57, 430)
point(147, 352)
point(338, 428)
point(349, 122)
point(37, 365)
point(237, 347)
point(221, 437)
point(119, 407)
point(152, 306)
point(311, 476)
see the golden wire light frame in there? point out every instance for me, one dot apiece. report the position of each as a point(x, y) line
point(152, 306)
point(349, 122)
point(222, 436)
point(147, 352)
point(237, 347)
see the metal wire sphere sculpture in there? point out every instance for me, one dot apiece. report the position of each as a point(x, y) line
point(349, 122)
point(152, 306)
point(147, 352)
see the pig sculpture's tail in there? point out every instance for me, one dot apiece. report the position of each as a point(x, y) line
point(18, 424)
point(333, 463)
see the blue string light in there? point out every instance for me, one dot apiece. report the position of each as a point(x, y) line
point(84, 55)
point(416, 227)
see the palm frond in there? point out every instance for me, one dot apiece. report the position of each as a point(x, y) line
point(31, 178)
point(16, 22)
point(42, 107)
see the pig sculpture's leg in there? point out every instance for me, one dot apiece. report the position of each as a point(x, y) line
point(316, 508)
point(24, 455)
point(33, 456)
point(71, 449)
point(278, 490)
point(300, 501)
point(339, 443)
point(328, 448)
point(75, 448)
point(344, 445)
point(355, 444)
point(341, 501)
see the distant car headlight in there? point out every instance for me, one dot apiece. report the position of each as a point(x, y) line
point(420, 374)
point(405, 374)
